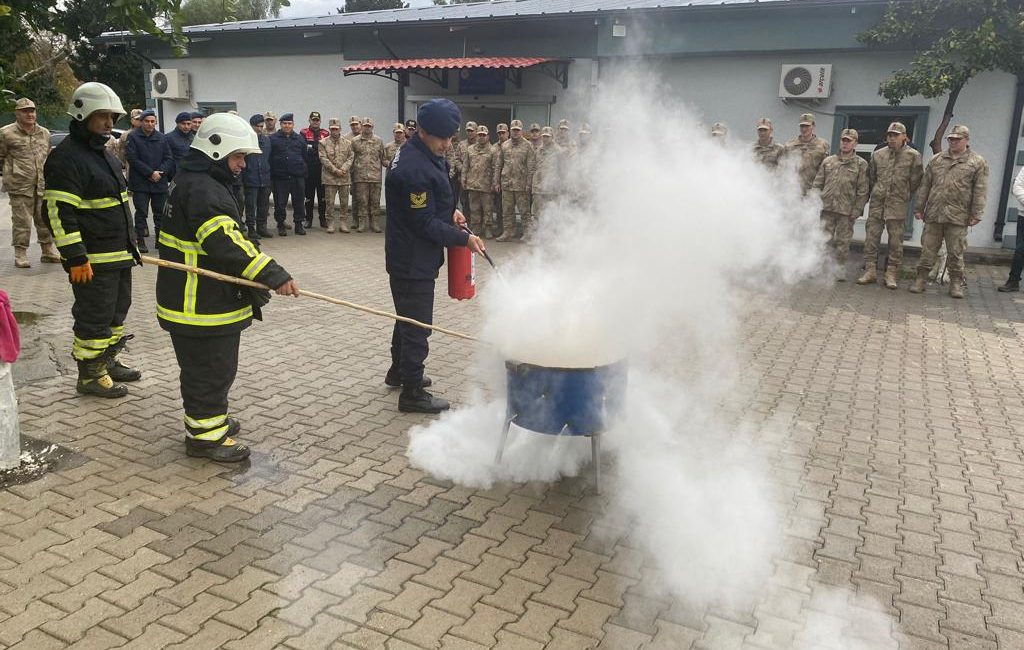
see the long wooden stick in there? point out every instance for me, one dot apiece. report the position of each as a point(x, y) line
point(302, 292)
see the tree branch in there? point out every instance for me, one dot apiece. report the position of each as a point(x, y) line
point(62, 53)
point(947, 116)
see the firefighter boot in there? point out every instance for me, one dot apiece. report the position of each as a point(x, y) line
point(1011, 286)
point(956, 285)
point(50, 253)
point(223, 450)
point(920, 281)
point(890, 277)
point(93, 379)
point(21, 258)
point(417, 400)
point(870, 276)
point(117, 370)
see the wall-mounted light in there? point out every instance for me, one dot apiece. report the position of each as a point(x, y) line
point(199, 39)
point(618, 29)
point(312, 34)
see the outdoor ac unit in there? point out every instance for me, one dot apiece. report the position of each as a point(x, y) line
point(169, 84)
point(806, 81)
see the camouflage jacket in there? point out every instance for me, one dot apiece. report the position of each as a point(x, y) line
point(811, 154)
point(954, 189)
point(478, 168)
point(336, 158)
point(768, 154)
point(22, 156)
point(390, 149)
point(547, 175)
point(894, 177)
point(368, 165)
point(515, 166)
point(843, 183)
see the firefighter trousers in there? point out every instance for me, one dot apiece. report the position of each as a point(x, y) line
point(413, 299)
point(208, 366)
point(100, 309)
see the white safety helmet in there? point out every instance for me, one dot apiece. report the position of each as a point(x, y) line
point(93, 96)
point(222, 134)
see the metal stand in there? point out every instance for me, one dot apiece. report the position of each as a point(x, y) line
point(504, 438)
point(595, 450)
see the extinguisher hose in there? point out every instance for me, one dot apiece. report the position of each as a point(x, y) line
point(484, 252)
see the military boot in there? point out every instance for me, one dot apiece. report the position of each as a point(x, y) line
point(394, 380)
point(262, 231)
point(224, 450)
point(117, 370)
point(920, 281)
point(417, 400)
point(1011, 286)
point(329, 224)
point(870, 276)
point(508, 230)
point(375, 224)
point(50, 253)
point(21, 258)
point(890, 277)
point(93, 379)
point(956, 285)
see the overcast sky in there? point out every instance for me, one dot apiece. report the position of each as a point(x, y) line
point(301, 8)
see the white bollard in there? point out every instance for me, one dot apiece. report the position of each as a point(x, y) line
point(10, 440)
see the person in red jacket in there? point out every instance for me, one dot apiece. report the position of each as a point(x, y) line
point(314, 185)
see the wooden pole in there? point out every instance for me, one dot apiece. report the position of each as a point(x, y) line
point(302, 292)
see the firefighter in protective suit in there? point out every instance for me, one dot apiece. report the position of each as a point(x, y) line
point(205, 317)
point(86, 206)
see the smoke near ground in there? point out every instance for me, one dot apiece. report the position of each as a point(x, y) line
point(662, 243)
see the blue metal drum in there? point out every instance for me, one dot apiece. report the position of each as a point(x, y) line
point(575, 401)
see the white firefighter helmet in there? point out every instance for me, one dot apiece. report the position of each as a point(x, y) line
point(222, 134)
point(93, 96)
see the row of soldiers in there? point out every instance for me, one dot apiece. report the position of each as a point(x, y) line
point(950, 196)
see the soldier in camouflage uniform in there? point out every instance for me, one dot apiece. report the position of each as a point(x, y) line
point(503, 135)
point(842, 180)
point(391, 148)
point(951, 199)
point(367, 172)
point(551, 158)
point(766, 150)
point(810, 149)
point(513, 173)
point(355, 127)
point(562, 139)
point(336, 158)
point(23, 149)
point(719, 131)
point(119, 146)
point(461, 196)
point(478, 181)
point(895, 174)
point(534, 135)
point(269, 123)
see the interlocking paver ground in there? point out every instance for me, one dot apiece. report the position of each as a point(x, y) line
point(894, 417)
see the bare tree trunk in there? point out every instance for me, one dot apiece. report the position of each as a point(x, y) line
point(947, 117)
point(61, 54)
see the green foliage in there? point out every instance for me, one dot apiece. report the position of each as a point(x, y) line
point(204, 12)
point(371, 5)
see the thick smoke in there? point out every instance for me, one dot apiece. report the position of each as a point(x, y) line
point(661, 241)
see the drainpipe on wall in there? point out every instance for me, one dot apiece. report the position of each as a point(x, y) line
point(1011, 156)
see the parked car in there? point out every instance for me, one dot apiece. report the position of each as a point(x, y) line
point(56, 137)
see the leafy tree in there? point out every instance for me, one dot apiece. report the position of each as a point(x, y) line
point(371, 5)
point(954, 41)
point(204, 12)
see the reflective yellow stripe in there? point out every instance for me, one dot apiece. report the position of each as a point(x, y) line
point(236, 236)
point(182, 245)
point(206, 423)
point(191, 283)
point(213, 434)
point(66, 197)
point(203, 320)
point(67, 240)
point(220, 221)
point(103, 202)
point(54, 216)
point(106, 258)
point(115, 334)
point(84, 349)
point(255, 266)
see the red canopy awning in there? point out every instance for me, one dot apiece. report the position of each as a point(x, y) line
point(436, 70)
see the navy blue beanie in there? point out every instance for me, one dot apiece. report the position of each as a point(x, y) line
point(287, 117)
point(257, 119)
point(147, 113)
point(196, 114)
point(439, 117)
point(183, 116)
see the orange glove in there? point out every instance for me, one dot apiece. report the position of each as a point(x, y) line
point(81, 274)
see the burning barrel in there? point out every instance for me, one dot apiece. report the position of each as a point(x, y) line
point(564, 401)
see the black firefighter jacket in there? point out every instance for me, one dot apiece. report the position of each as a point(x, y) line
point(201, 229)
point(85, 202)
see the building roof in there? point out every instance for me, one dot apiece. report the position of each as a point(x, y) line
point(498, 9)
point(492, 62)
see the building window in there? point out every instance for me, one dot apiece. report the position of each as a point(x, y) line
point(209, 108)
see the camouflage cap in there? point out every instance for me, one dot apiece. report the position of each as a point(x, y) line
point(546, 132)
point(535, 127)
point(367, 121)
point(897, 127)
point(719, 129)
point(354, 120)
point(334, 123)
point(585, 128)
point(270, 115)
point(410, 124)
point(807, 119)
point(24, 103)
point(959, 131)
point(470, 127)
point(849, 134)
point(764, 123)
point(136, 113)
point(563, 124)
point(398, 127)
point(314, 115)
point(502, 127)
point(516, 125)
point(482, 130)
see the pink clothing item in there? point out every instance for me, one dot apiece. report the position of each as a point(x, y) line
point(10, 341)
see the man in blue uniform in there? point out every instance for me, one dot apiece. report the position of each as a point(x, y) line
point(422, 221)
point(180, 139)
point(288, 169)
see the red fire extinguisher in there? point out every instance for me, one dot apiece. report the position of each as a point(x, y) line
point(461, 273)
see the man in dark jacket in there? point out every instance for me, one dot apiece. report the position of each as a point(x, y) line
point(314, 187)
point(422, 221)
point(205, 317)
point(256, 178)
point(149, 164)
point(180, 139)
point(288, 171)
point(86, 202)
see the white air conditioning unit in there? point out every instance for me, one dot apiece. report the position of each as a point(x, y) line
point(169, 84)
point(806, 81)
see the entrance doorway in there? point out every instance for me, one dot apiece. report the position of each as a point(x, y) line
point(491, 116)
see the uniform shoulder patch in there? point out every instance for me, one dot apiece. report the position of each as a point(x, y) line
point(417, 200)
